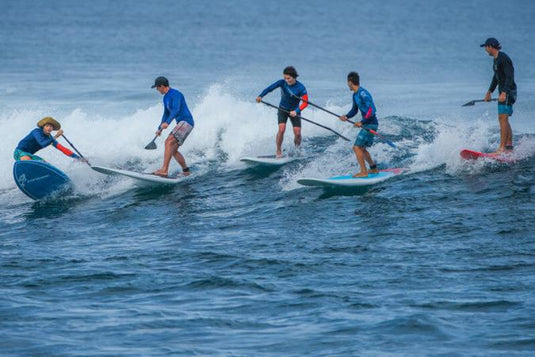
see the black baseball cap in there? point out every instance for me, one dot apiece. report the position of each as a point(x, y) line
point(492, 42)
point(160, 81)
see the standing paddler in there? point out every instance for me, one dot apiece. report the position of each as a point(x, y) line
point(175, 108)
point(504, 79)
point(291, 93)
point(363, 101)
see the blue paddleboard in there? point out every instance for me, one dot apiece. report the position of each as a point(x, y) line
point(349, 180)
point(38, 179)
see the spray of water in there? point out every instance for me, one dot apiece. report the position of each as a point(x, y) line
point(227, 128)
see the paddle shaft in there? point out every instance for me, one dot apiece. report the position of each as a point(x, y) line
point(350, 121)
point(75, 149)
point(305, 119)
point(153, 141)
point(472, 102)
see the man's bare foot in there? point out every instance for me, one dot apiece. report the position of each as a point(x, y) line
point(361, 174)
point(160, 173)
point(373, 171)
point(279, 155)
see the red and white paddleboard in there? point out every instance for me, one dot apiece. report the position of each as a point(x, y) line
point(475, 155)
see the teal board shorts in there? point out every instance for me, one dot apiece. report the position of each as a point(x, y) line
point(19, 153)
point(507, 106)
point(365, 138)
point(505, 109)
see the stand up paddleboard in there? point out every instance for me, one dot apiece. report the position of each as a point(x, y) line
point(141, 176)
point(475, 155)
point(349, 180)
point(38, 179)
point(268, 160)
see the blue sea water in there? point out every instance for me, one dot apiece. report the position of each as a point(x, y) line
point(242, 261)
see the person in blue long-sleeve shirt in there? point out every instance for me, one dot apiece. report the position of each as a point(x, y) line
point(292, 93)
point(363, 101)
point(39, 138)
point(175, 108)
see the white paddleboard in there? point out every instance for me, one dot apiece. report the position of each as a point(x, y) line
point(142, 176)
point(268, 160)
point(349, 180)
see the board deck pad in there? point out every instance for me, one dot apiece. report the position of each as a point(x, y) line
point(141, 176)
point(349, 180)
point(475, 155)
point(39, 180)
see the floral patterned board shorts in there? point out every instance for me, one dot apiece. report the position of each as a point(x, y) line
point(365, 138)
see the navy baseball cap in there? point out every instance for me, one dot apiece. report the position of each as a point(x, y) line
point(492, 42)
point(160, 81)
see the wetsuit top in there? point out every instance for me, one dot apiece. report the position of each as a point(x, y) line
point(362, 99)
point(290, 95)
point(504, 75)
point(175, 107)
point(37, 140)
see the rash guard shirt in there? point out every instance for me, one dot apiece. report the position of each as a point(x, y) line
point(290, 95)
point(37, 140)
point(504, 75)
point(362, 99)
point(175, 107)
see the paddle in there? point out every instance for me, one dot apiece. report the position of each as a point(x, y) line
point(350, 121)
point(152, 144)
point(305, 119)
point(75, 149)
point(472, 102)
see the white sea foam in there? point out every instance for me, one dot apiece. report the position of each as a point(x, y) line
point(227, 128)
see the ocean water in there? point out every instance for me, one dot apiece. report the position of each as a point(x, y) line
point(243, 261)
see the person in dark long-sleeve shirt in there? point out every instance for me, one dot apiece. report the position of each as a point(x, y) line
point(504, 79)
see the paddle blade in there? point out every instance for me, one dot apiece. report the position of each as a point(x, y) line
point(391, 143)
point(470, 103)
point(151, 146)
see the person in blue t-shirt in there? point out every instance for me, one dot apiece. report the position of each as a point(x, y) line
point(292, 91)
point(175, 108)
point(363, 101)
point(39, 138)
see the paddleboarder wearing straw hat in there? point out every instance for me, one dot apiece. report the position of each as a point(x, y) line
point(362, 100)
point(39, 138)
point(291, 92)
point(175, 108)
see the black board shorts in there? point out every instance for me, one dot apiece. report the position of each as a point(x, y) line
point(283, 117)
